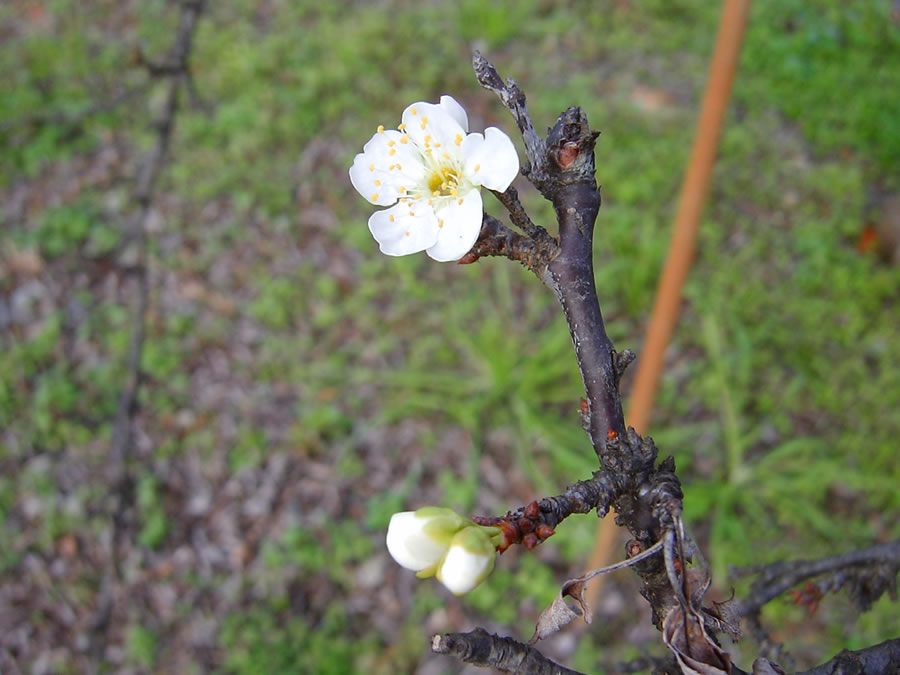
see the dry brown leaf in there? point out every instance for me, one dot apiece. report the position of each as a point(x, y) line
point(552, 619)
point(685, 635)
point(558, 614)
point(726, 616)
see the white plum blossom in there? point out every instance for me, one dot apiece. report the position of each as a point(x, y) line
point(435, 541)
point(468, 562)
point(429, 172)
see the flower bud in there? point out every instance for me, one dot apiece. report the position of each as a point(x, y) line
point(419, 539)
point(469, 560)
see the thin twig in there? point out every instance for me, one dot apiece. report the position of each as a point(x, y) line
point(532, 524)
point(495, 239)
point(74, 118)
point(510, 200)
point(122, 442)
point(514, 99)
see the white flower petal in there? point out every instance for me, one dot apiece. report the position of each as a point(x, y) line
point(468, 562)
point(456, 111)
point(490, 160)
point(378, 186)
point(434, 130)
point(458, 226)
point(409, 545)
point(407, 227)
point(386, 166)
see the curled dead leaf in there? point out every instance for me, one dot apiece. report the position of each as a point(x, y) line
point(696, 653)
point(726, 617)
point(553, 618)
point(559, 614)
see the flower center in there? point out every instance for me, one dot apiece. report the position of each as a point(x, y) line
point(443, 182)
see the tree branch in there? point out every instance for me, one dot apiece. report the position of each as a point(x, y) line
point(532, 524)
point(510, 200)
point(879, 659)
point(482, 649)
point(869, 572)
point(647, 499)
point(74, 118)
point(122, 441)
point(496, 239)
point(514, 99)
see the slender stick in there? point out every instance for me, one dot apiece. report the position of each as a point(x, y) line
point(690, 207)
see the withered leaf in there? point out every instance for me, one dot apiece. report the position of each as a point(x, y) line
point(696, 653)
point(726, 617)
point(559, 614)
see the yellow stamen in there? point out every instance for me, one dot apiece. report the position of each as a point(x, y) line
point(437, 145)
point(401, 127)
point(391, 144)
point(440, 223)
point(374, 196)
point(443, 182)
point(404, 140)
point(460, 202)
point(424, 120)
point(446, 155)
point(377, 183)
point(371, 167)
point(391, 216)
point(393, 152)
point(407, 234)
point(411, 213)
point(413, 112)
point(380, 128)
point(458, 139)
point(477, 166)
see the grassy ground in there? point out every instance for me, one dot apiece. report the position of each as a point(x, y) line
point(301, 387)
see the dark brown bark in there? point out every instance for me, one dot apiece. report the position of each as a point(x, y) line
point(880, 659)
point(868, 573)
point(492, 651)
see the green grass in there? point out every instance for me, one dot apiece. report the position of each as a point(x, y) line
point(779, 401)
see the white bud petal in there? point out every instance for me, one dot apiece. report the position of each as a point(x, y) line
point(468, 562)
point(419, 539)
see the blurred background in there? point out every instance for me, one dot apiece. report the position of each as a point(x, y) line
point(300, 387)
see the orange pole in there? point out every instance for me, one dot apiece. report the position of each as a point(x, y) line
point(694, 189)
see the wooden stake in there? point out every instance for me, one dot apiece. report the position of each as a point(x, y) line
point(666, 306)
